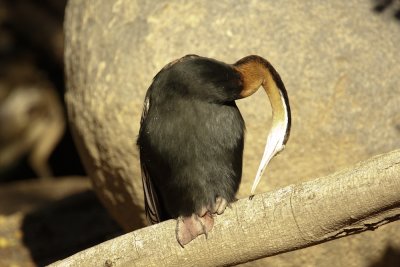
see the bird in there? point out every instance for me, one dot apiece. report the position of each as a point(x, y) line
point(191, 138)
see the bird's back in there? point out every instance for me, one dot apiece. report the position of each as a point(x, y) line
point(191, 136)
point(193, 153)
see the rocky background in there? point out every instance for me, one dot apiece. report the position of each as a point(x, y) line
point(47, 209)
point(338, 60)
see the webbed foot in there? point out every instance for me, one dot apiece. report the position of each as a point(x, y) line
point(188, 228)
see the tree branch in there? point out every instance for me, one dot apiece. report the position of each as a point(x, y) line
point(350, 201)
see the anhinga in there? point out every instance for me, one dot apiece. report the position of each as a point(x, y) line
point(192, 134)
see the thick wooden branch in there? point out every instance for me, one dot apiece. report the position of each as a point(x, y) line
point(350, 201)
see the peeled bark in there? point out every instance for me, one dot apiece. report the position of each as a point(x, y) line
point(351, 201)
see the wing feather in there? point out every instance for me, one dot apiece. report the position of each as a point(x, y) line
point(152, 207)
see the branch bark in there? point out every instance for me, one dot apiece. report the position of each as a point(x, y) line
point(351, 201)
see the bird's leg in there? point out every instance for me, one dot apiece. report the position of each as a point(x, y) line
point(188, 228)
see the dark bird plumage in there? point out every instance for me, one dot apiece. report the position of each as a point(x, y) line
point(191, 140)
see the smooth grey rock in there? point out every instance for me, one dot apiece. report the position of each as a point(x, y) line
point(338, 60)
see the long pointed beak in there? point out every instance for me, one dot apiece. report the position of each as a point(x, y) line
point(256, 71)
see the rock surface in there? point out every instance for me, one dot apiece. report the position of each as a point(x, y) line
point(338, 60)
point(48, 220)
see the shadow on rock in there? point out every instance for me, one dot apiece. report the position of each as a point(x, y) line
point(66, 227)
point(381, 6)
point(391, 258)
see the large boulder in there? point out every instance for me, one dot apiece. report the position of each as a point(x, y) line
point(338, 60)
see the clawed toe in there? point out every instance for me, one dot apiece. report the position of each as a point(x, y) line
point(220, 205)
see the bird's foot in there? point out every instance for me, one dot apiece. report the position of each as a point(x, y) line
point(188, 228)
point(220, 205)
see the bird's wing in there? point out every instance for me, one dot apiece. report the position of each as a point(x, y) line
point(150, 196)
